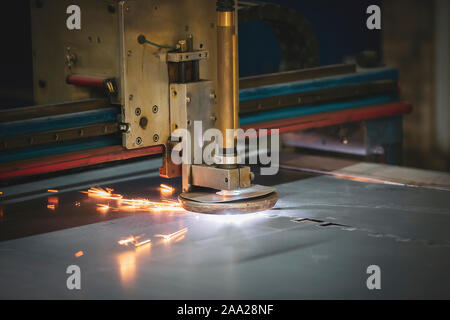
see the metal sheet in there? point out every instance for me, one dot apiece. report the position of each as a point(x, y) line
point(269, 255)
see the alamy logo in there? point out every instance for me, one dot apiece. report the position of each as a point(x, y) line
point(74, 280)
point(73, 22)
point(374, 280)
point(203, 147)
point(374, 20)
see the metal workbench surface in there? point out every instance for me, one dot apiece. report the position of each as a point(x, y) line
point(268, 255)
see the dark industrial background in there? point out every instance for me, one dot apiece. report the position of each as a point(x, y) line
point(414, 38)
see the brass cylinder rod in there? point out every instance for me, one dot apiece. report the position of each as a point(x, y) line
point(227, 77)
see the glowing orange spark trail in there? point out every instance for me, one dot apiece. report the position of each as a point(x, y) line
point(52, 190)
point(97, 192)
point(79, 254)
point(138, 244)
point(166, 189)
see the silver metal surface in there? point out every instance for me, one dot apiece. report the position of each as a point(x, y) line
point(220, 178)
point(275, 254)
point(144, 67)
point(187, 56)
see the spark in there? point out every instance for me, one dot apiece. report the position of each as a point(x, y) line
point(79, 254)
point(77, 204)
point(98, 192)
point(125, 242)
point(171, 236)
point(143, 205)
point(134, 240)
point(166, 189)
point(52, 190)
point(51, 206)
point(138, 244)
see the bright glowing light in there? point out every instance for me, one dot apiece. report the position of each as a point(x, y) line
point(228, 192)
point(103, 207)
point(52, 190)
point(174, 235)
point(51, 207)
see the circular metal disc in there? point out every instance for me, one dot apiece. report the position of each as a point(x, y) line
point(261, 203)
point(211, 196)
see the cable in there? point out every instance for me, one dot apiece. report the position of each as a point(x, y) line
point(142, 40)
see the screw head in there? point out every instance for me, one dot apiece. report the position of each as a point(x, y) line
point(138, 140)
point(155, 138)
point(138, 111)
point(155, 109)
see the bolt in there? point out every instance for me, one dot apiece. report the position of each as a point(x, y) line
point(130, 97)
point(138, 140)
point(143, 122)
point(129, 53)
point(155, 138)
point(188, 99)
point(141, 39)
point(155, 109)
point(42, 83)
point(212, 95)
point(138, 111)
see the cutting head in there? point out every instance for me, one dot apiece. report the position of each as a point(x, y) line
point(246, 200)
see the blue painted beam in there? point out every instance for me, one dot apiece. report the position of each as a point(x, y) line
point(291, 112)
point(59, 122)
point(59, 148)
point(316, 84)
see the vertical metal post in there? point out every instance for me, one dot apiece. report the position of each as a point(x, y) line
point(227, 74)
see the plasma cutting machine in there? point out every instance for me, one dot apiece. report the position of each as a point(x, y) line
point(135, 72)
